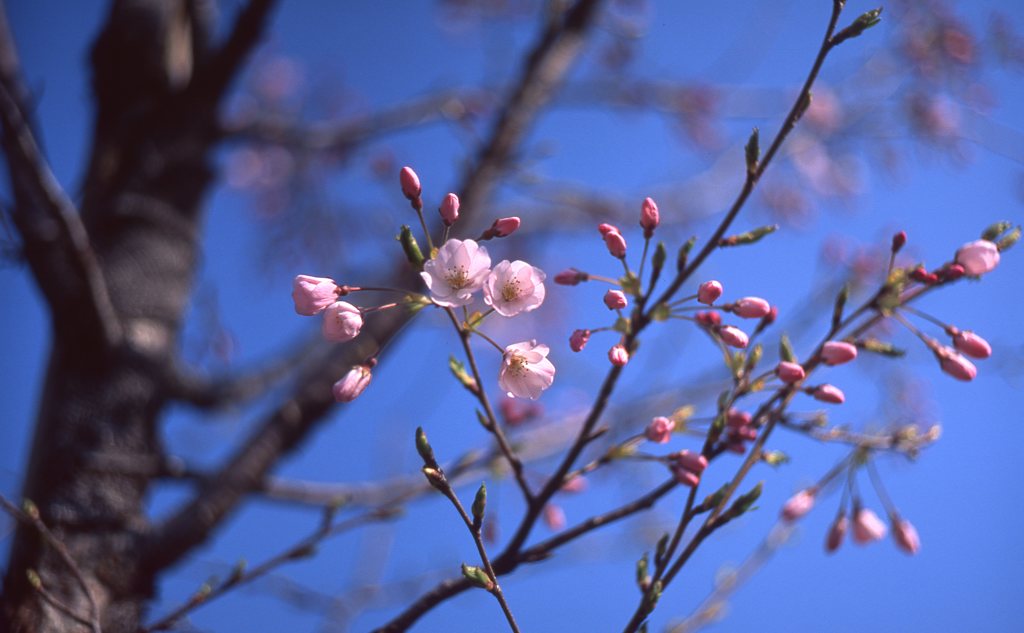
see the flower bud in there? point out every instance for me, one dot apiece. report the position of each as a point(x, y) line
point(951, 272)
point(576, 484)
point(660, 430)
point(867, 526)
point(615, 300)
point(955, 365)
point(898, 241)
point(709, 292)
point(554, 517)
point(709, 318)
point(342, 322)
point(578, 340)
point(410, 182)
point(649, 217)
point(571, 277)
point(693, 462)
point(751, 308)
point(312, 295)
point(790, 372)
point(838, 352)
point(978, 257)
point(352, 384)
point(605, 229)
point(616, 244)
point(971, 344)
point(685, 477)
point(905, 535)
point(737, 419)
point(503, 227)
point(618, 355)
point(733, 336)
point(449, 209)
point(798, 505)
point(836, 533)
point(829, 393)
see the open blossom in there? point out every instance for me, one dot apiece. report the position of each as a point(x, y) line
point(836, 533)
point(789, 372)
point(798, 505)
point(449, 209)
point(457, 271)
point(829, 393)
point(905, 535)
point(867, 526)
point(618, 355)
point(526, 370)
point(969, 343)
point(733, 336)
point(660, 430)
point(709, 292)
point(978, 257)
point(649, 217)
point(954, 364)
point(514, 287)
point(342, 322)
point(313, 294)
point(352, 384)
point(615, 300)
point(838, 352)
point(751, 308)
point(578, 340)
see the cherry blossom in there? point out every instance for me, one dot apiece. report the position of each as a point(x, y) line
point(514, 287)
point(649, 217)
point(978, 257)
point(449, 209)
point(971, 344)
point(905, 535)
point(867, 526)
point(660, 430)
point(838, 352)
point(798, 505)
point(342, 322)
point(313, 294)
point(526, 370)
point(709, 292)
point(457, 271)
point(352, 384)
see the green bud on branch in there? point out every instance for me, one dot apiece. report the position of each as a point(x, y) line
point(479, 505)
point(411, 248)
point(684, 253)
point(424, 449)
point(459, 371)
point(477, 576)
point(753, 151)
point(863, 22)
point(750, 237)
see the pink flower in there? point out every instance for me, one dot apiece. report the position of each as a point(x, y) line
point(605, 229)
point(660, 430)
point(514, 287)
point(867, 526)
point(836, 533)
point(733, 336)
point(503, 227)
point(571, 277)
point(457, 271)
point(838, 352)
point(616, 244)
point(449, 209)
point(578, 340)
point(709, 292)
point(618, 355)
point(751, 308)
point(526, 370)
point(971, 344)
point(410, 182)
point(905, 535)
point(554, 517)
point(798, 505)
point(789, 372)
point(649, 217)
point(313, 294)
point(342, 322)
point(978, 257)
point(615, 300)
point(352, 384)
point(954, 364)
point(830, 394)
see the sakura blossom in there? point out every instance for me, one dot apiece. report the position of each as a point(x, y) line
point(514, 287)
point(342, 322)
point(751, 308)
point(312, 295)
point(449, 209)
point(459, 269)
point(352, 384)
point(660, 430)
point(649, 217)
point(978, 257)
point(709, 292)
point(838, 352)
point(905, 535)
point(867, 526)
point(618, 355)
point(798, 505)
point(525, 370)
point(615, 300)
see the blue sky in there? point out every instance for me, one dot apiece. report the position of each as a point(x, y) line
point(962, 494)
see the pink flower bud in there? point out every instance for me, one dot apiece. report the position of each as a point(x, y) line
point(649, 217)
point(838, 352)
point(449, 209)
point(898, 241)
point(616, 244)
point(922, 275)
point(313, 294)
point(830, 394)
point(693, 462)
point(615, 300)
point(978, 257)
point(737, 419)
point(951, 272)
point(836, 533)
point(605, 229)
point(352, 384)
point(798, 505)
point(751, 308)
point(971, 344)
point(554, 517)
point(709, 318)
point(905, 535)
point(618, 355)
point(955, 365)
point(571, 277)
point(789, 372)
point(410, 182)
point(685, 477)
point(578, 340)
point(709, 292)
point(733, 336)
point(503, 227)
point(771, 316)
point(576, 484)
point(342, 322)
point(660, 430)
point(867, 526)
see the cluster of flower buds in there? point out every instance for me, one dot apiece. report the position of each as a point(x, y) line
point(745, 308)
point(867, 526)
point(739, 430)
point(687, 467)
